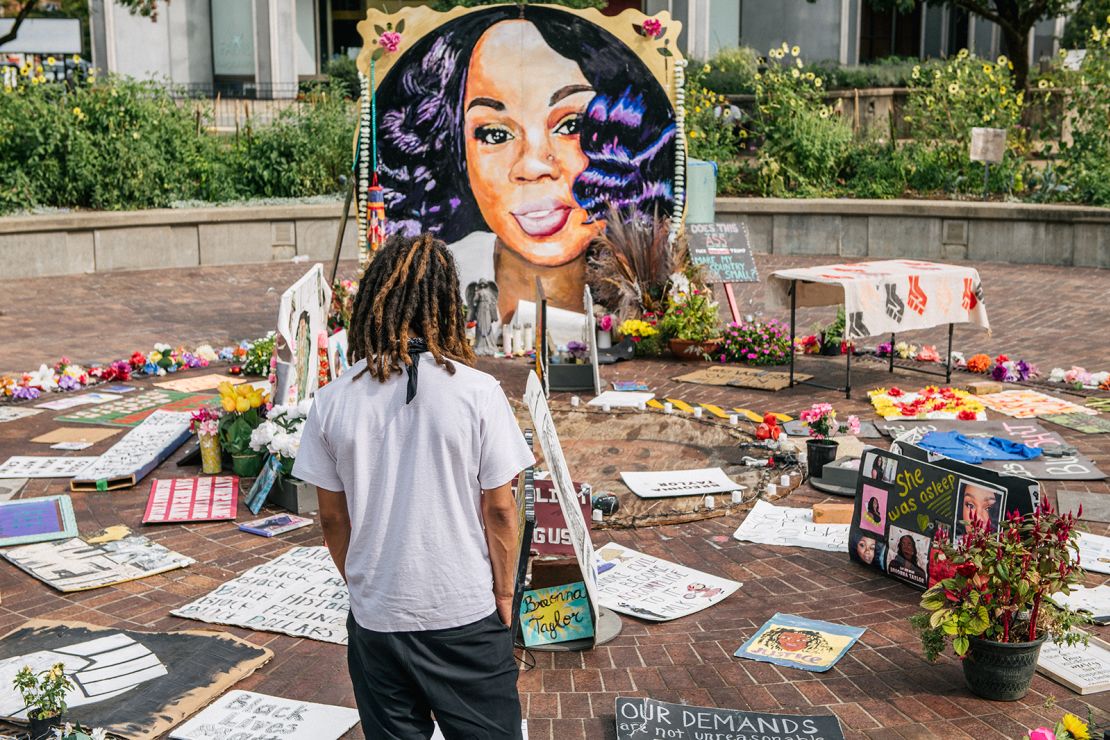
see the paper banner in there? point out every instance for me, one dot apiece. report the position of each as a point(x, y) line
point(83, 399)
point(11, 413)
point(133, 684)
point(621, 399)
point(1085, 423)
point(556, 614)
point(75, 565)
point(22, 466)
point(192, 499)
point(796, 642)
point(132, 410)
point(36, 520)
point(1026, 404)
point(299, 593)
point(246, 715)
point(662, 484)
point(647, 587)
point(767, 524)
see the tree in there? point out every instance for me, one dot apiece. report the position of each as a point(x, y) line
point(147, 8)
point(1088, 14)
point(1015, 18)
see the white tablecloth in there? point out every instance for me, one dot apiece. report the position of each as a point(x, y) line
point(887, 296)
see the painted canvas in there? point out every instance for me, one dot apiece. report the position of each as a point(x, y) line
point(192, 499)
point(556, 614)
point(133, 684)
point(302, 320)
point(544, 118)
point(796, 642)
point(36, 520)
point(133, 410)
point(337, 354)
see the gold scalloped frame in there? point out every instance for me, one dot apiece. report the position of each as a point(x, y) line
point(422, 20)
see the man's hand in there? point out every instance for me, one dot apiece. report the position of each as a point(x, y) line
point(505, 609)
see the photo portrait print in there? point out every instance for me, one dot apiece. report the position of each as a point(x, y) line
point(872, 516)
point(977, 500)
point(907, 553)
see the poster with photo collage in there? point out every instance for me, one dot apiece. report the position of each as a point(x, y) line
point(906, 507)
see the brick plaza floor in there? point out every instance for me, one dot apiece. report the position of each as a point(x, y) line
point(881, 689)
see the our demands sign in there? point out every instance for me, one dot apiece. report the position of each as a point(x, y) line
point(648, 719)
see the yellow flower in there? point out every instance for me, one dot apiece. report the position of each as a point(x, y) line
point(810, 75)
point(817, 82)
point(25, 70)
point(41, 78)
point(51, 61)
point(795, 73)
point(800, 63)
point(963, 54)
point(228, 403)
point(795, 51)
point(758, 76)
point(1003, 61)
point(1076, 727)
point(986, 69)
point(242, 404)
point(953, 89)
point(76, 59)
point(7, 88)
point(706, 68)
point(916, 73)
point(1002, 89)
point(824, 112)
point(80, 114)
point(785, 47)
point(694, 134)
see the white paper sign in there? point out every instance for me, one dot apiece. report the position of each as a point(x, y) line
point(768, 524)
point(565, 491)
point(299, 593)
point(622, 399)
point(1094, 552)
point(85, 398)
point(700, 482)
point(1094, 600)
point(9, 413)
point(141, 449)
point(74, 565)
point(643, 586)
point(1085, 669)
point(437, 734)
point(23, 466)
point(9, 487)
point(71, 446)
point(245, 715)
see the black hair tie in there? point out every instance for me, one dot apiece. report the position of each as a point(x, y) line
point(416, 346)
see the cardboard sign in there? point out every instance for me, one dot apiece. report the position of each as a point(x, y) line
point(299, 593)
point(1080, 422)
point(664, 484)
point(724, 250)
point(132, 410)
point(1085, 669)
point(25, 466)
point(768, 524)
point(1095, 601)
point(136, 454)
point(36, 520)
point(75, 565)
point(647, 587)
point(648, 719)
point(192, 499)
point(1067, 467)
point(577, 524)
point(133, 684)
point(246, 715)
point(1094, 552)
point(796, 642)
point(551, 535)
point(621, 399)
point(195, 383)
point(555, 614)
point(9, 487)
point(906, 507)
point(9, 413)
point(987, 144)
point(75, 434)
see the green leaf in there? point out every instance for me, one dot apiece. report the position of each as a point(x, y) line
point(950, 627)
point(378, 53)
point(665, 52)
point(401, 26)
point(938, 617)
point(961, 645)
point(378, 29)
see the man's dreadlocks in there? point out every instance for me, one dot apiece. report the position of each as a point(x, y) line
point(410, 291)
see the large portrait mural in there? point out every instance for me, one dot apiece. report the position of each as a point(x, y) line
point(510, 132)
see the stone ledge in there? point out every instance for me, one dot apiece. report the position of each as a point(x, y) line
point(905, 207)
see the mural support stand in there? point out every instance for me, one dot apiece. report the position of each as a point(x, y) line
point(342, 229)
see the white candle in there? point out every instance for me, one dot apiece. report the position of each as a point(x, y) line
point(697, 412)
point(606, 408)
point(737, 497)
point(598, 516)
point(507, 340)
point(575, 400)
point(710, 502)
point(529, 338)
point(668, 407)
point(772, 489)
point(641, 406)
point(734, 419)
point(518, 339)
point(784, 481)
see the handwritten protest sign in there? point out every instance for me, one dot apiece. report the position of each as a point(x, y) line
point(660, 484)
point(299, 593)
point(551, 536)
point(75, 565)
point(192, 499)
point(768, 524)
point(797, 642)
point(648, 719)
point(647, 587)
point(555, 614)
point(246, 715)
point(724, 250)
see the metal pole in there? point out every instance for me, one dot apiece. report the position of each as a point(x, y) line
point(793, 306)
point(890, 361)
point(848, 373)
point(342, 229)
point(948, 361)
point(986, 178)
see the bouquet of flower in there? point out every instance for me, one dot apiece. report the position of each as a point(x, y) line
point(930, 403)
point(1078, 378)
point(905, 350)
point(979, 363)
point(756, 343)
point(280, 433)
point(927, 353)
point(810, 345)
point(606, 322)
point(244, 406)
point(256, 355)
point(821, 418)
point(205, 420)
point(692, 317)
point(1009, 371)
point(1069, 727)
point(644, 335)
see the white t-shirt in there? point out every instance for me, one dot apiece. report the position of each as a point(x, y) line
point(413, 476)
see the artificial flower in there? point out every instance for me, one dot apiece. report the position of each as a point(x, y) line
point(26, 393)
point(853, 425)
point(390, 41)
point(205, 352)
point(904, 350)
point(653, 28)
point(979, 363)
point(1076, 727)
point(928, 353)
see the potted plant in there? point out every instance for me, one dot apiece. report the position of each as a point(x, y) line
point(991, 596)
point(643, 334)
point(832, 336)
point(820, 449)
point(691, 325)
point(606, 322)
point(756, 342)
point(244, 406)
point(280, 436)
point(44, 695)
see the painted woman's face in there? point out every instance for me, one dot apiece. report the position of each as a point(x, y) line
point(865, 548)
point(978, 503)
point(523, 109)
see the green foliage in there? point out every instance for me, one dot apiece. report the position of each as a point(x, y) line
point(691, 316)
point(888, 72)
point(730, 71)
point(115, 144)
point(756, 342)
point(44, 693)
point(342, 69)
point(1087, 15)
point(875, 169)
point(711, 126)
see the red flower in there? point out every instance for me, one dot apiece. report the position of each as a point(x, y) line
point(1000, 359)
point(966, 415)
point(895, 392)
point(966, 569)
point(652, 28)
point(138, 359)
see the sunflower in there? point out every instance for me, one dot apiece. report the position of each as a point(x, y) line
point(1076, 727)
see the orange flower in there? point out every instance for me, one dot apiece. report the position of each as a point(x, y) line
point(979, 363)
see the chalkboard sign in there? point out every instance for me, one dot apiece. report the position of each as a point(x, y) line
point(647, 719)
point(724, 249)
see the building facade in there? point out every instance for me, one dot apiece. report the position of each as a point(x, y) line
point(265, 48)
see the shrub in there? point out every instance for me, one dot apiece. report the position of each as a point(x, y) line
point(343, 70)
point(888, 72)
point(732, 71)
point(711, 123)
point(875, 169)
point(756, 342)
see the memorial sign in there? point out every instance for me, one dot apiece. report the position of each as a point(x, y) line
point(724, 250)
point(648, 719)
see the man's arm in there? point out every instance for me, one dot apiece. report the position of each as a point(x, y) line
point(499, 515)
point(336, 524)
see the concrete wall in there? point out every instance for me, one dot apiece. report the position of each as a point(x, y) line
point(177, 47)
point(931, 230)
point(35, 246)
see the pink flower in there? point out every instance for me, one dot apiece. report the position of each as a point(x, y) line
point(853, 425)
point(390, 41)
point(652, 28)
point(1042, 733)
point(606, 322)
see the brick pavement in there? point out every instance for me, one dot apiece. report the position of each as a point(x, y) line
point(881, 689)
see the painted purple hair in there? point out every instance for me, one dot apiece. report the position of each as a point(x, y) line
point(627, 133)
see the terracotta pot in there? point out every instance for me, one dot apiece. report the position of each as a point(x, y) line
point(691, 351)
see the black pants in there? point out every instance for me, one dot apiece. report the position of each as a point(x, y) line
point(465, 675)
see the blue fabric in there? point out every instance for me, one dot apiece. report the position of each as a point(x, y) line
point(976, 449)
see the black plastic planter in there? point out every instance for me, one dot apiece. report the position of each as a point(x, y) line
point(1001, 671)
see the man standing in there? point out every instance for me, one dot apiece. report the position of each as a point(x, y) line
point(414, 454)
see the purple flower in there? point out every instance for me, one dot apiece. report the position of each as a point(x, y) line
point(25, 393)
point(68, 383)
point(999, 372)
